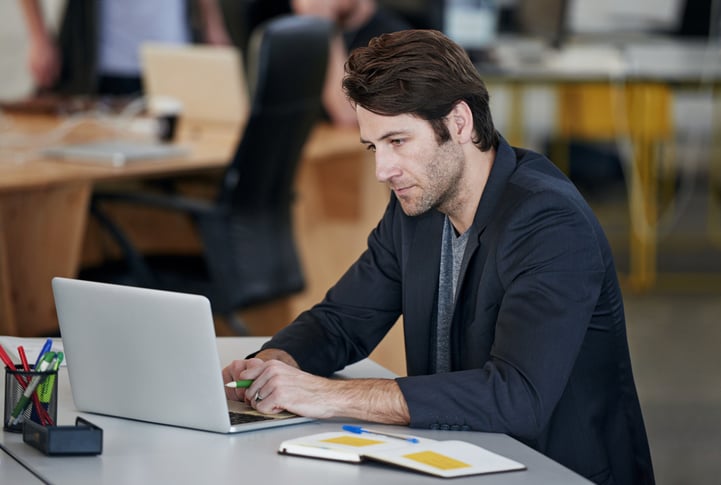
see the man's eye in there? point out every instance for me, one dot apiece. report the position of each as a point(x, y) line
point(397, 141)
point(371, 148)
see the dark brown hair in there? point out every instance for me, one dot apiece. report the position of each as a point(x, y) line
point(423, 73)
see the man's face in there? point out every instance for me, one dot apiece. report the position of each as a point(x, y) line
point(423, 174)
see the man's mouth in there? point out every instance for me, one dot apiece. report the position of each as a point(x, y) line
point(400, 191)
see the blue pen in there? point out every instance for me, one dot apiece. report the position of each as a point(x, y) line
point(46, 348)
point(360, 430)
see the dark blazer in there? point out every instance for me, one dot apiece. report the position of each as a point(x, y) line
point(538, 339)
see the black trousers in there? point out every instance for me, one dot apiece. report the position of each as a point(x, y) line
point(120, 86)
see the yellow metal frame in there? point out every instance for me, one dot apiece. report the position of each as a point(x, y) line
point(639, 111)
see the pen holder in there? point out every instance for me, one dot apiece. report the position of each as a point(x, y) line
point(17, 411)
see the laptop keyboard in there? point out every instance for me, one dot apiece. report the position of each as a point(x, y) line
point(240, 418)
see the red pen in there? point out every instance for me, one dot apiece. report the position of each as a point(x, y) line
point(23, 358)
point(11, 365)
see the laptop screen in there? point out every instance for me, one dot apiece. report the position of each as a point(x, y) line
point(209, 81)
point(147, 355)
point(472, 24)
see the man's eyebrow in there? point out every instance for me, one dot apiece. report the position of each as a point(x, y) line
point(390, 134)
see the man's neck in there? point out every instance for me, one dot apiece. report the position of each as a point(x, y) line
point(478, 169)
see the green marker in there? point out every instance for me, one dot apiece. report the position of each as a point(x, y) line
point(46, 388)
point(242, 384)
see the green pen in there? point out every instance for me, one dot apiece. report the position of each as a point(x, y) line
point(24, 400)
point(242, 384)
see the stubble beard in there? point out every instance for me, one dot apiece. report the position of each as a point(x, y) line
point(444, 172)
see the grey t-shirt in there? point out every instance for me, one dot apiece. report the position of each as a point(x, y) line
point(452, 249)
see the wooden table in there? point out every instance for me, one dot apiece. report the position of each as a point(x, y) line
point(44, 207)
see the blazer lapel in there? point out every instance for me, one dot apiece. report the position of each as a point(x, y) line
point(503, 167)
point(421, 281)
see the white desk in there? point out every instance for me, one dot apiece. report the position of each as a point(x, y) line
point(13, 472)
point(139, 453)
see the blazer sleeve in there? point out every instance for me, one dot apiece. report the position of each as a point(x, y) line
point(549, 266)
point(356, 312)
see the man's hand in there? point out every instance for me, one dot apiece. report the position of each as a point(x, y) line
point(280, 386)
point(44, 62)
point(248, 369)
point(236, 371)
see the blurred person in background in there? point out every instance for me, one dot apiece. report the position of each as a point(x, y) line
point(358, 21)
point(97, 48)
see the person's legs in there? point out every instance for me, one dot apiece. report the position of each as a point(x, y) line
point(120, 85)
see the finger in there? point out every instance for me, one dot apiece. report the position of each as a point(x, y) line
point(255, 393)
point(235, 394)
point(255, 363)
point(233, 372)
point(261, 388)
point(263, 401)
point(227, 375)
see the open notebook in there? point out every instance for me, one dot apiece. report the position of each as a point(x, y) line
point(148, 355)
point(447, 459)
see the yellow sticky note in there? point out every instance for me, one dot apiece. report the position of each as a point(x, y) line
point(436, 460)
point(352, 441)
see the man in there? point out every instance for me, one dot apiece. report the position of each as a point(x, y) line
point(512, 312)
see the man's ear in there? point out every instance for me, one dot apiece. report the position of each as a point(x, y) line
point(460, 122)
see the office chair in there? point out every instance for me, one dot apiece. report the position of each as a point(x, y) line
point(248, 249)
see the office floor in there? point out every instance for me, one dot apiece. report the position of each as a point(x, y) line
point(674, 334)
point(674, 343)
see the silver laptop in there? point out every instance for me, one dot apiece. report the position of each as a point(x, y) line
point(148, 355)
point(114, 152)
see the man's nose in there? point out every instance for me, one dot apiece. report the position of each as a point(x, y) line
point(386, 166)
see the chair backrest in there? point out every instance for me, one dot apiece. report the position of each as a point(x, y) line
point(249, 241)
point(287, 64)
